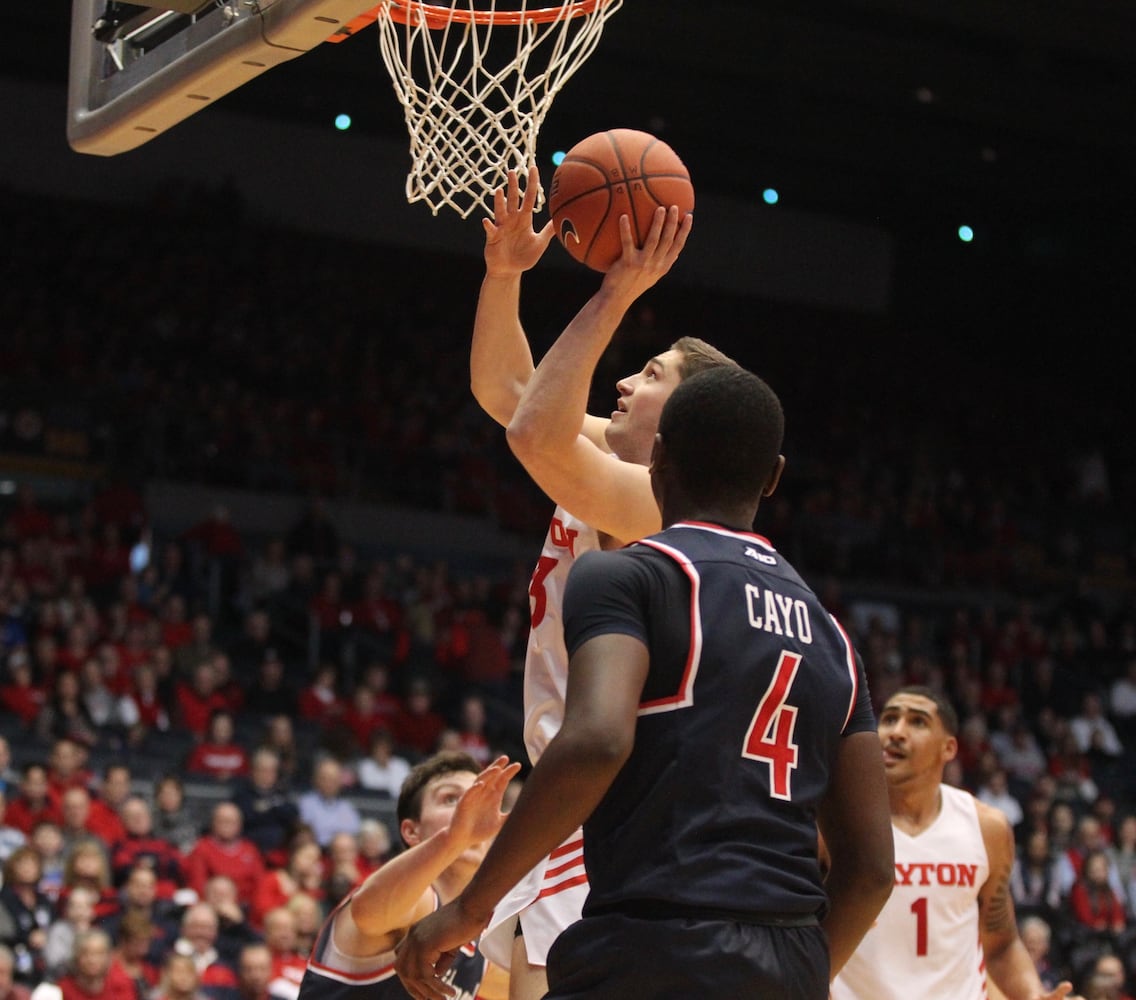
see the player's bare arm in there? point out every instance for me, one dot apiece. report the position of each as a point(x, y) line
point(546, 432)
point(855, 826)
point(1007, 961)
point(500, 360)
point(569, 780)
point(400, 893)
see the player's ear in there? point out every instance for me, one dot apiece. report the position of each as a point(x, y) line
point(774, 477)
point(409, 830)
point(950, 748)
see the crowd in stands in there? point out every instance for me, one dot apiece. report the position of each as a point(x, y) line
point(191, 773)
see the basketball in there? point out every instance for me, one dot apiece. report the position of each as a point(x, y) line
point(609, 174)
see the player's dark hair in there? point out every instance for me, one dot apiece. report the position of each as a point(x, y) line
point(722, 429)
point(943, 706)
point(446, 762)
point(698, 356)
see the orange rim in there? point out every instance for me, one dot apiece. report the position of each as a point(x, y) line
point(436, 16)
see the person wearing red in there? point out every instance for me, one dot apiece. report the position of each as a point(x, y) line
point(218, 756)
point(93, 975)
point(199, 699)
point(1096, 906)
point(67, 766)
point(419, 725)
point(85, 817)
point(304, 873)
point(34, 802)
point(132, 956)
point(288, 964)
point(224, 851)
point(21, 696)
point(139, 846)
point(320, 701)
point(87, 866)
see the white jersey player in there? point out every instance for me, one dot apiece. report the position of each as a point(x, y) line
point(571, 456)
point(949, 924)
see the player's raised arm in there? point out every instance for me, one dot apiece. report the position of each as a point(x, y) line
point(1007, 960)
point(400, 893)
point(547, 430)
point(854, 822)
point(500, 360)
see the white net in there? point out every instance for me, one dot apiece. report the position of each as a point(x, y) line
point(476, 80)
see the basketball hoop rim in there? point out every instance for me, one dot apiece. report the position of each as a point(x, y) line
point(437, 16)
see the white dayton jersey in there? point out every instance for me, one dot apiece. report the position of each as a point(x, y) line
point(925, 942)
point(546, 663)
point(551, 897)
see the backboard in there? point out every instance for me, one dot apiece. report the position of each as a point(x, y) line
point(138, 69)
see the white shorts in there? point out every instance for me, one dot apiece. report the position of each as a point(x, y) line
point(545, 901)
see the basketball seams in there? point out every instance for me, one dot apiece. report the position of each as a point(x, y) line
point(604, 162)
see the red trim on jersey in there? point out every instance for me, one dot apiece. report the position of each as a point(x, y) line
point(685, 695)
point(354, 978)
point(718, 529)
point(552, 890)
point(572, 845)
point(852, 671)
point(567, 866)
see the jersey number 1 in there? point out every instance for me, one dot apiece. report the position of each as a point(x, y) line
point(770, 736)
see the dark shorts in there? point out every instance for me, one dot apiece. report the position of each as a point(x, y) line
point(617, 957)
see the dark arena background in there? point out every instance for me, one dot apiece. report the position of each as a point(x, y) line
point(236, 428)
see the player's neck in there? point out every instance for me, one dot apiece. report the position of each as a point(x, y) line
point(914, 808)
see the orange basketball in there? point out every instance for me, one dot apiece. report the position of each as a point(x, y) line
point(609, 174)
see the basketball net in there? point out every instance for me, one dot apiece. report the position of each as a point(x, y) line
point(476, 83)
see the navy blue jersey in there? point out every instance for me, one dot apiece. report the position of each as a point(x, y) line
point(751, 687)
point(331, 975)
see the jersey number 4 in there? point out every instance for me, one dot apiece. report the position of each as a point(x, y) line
point(770, 735)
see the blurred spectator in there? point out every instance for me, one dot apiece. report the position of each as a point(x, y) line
point(47, 839)
point(198, 940)
point(142, 709)
point(323, 806)
point(1122, 853)
point(419, 725)
point(1019, 753)
point(271, 692)
point(382, 770)
point(1094, 903)
point(995, 791)
point(132, 954)
point(1087, 840)
point(174, 821)
point(343, 868)
point(218, 756)
point(140, 846)
point(1109, 977)
point(268, 813)
point(1033, 884)
point(84, 818)
point(303, 873)
point(139, 897)
point(314, 534)
point(254, 972)
point(1092, 730)
point(288, 965)
point(86, 865)
point(21, 695)
point(78, 916)
point(9, 988)
point(472, 738)
point(1072, 769)
point(224, 851)
point(33, 802)
point(9, 777)
point(234, 929)
point(25, 913)
point(1122, 701)
point(280, 737)
point(10, 837)
point(65, 716)
point(199, 699)
point(199, 649)
point(1037, 936)
point(269, 574)
point(321, 702)
point(309, 916)
point(92, 976)
point(374, 846)
point(179, 979)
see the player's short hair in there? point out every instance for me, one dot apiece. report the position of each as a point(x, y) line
point(446, 762)
point(698, 356)
point(722, 429)
point(943, 706)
